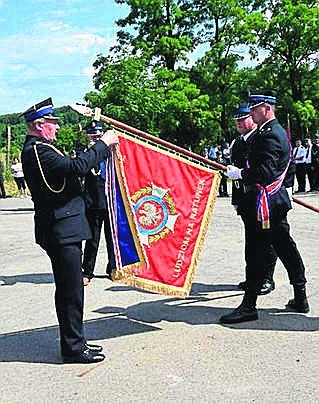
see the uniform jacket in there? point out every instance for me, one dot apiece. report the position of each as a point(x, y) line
point(239, 156)
point(53, 180)
point(268, 158)
point(315, 156)
point(94, 189)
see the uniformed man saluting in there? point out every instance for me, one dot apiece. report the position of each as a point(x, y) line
point(60, 222)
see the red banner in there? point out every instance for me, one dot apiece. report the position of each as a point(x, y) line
point(172, 198)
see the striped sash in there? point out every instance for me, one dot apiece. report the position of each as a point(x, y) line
point(265, 193)
point(110, 192)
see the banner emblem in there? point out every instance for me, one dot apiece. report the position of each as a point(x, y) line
point(155, 212)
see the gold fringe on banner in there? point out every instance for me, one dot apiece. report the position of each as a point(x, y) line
point(129, 275)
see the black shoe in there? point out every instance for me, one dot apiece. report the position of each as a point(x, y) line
point(242, 285)
point(86, 356)
point(93, 347)
point(239, 315)
point(267, 287)
point(300, 307)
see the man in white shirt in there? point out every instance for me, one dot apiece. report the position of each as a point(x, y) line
point(18, 177)
point(299, 155)
point(308, 165)
point(315, 163)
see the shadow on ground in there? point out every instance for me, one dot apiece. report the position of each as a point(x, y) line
point(194, 311)
point(14, 211)
point(41, 345)
point(197, 289)
point(26, 278)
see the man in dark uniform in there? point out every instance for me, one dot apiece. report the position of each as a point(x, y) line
point(239, 154)
point(60, 222)
point(267, 204)
point(96, 209)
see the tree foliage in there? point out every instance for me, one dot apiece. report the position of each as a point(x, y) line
point(165, 103)
point(163, 30)
point(158, 78)
point(291, 39)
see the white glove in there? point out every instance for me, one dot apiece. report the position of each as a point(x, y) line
point(234, 173)
point(110, 138)
point(289, 191)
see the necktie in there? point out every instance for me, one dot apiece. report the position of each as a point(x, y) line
point(296, 151)
point(307, 154)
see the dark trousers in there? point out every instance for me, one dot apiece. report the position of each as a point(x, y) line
point(66, 266)
point(96, 219)
point(301, 176)
point(2, 190)
point(316, 178)
point(20, 183)
point(223, 186)
point(309, 174)
point(270, 256)
point(259, 242)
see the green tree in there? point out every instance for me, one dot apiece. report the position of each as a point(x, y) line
point(162, 102)
point(186, 118)
point(291, 38)
point(163, 30)
point(230, 28)
point(125, 91)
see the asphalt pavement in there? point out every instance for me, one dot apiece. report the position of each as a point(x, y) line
point(159, 349)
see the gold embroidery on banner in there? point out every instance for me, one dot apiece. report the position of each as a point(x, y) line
point(157, 287)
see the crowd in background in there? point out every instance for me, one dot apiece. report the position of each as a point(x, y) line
point(305, 155)
point(222, 155)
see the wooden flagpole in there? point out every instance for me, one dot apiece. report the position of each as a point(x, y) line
point(86, 111)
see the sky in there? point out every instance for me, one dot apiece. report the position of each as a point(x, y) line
point(48, 47)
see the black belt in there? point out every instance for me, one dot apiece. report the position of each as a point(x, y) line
point(248, 188)
point(245, 188)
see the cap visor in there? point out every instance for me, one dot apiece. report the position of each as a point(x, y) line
point(252, 106)
point(52, 117)
point(238, 118)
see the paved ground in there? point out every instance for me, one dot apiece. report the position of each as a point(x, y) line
point(160, 350)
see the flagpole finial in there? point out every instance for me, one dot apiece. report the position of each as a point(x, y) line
point(82, 109)
point(97, 114)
